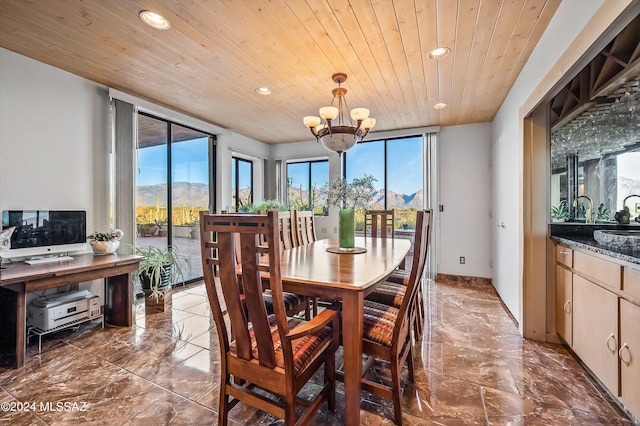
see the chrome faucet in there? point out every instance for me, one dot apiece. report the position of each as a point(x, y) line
point(624, 202)
point(589, 214)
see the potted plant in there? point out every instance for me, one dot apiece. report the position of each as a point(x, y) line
point(162, 227)
point(147, 229)
point(105, 242)
point(603, 213)
point(195, 228)
point(160, 268)
point(560, 213)
point(349, 196)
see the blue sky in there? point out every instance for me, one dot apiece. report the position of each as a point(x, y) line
point(404, 163)
point(190, 160)
point(190, 163)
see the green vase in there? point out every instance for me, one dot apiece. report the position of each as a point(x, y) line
point(346, 228)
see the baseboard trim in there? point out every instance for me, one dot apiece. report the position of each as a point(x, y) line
point(464, 278)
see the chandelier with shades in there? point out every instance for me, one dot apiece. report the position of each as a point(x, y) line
point(340, 136)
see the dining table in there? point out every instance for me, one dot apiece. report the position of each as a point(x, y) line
point(347, 276)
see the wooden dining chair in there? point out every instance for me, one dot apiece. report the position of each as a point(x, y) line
point(262, 351)
point(286, 230)
point(305, 229)
point(379, 223)
point(305, 233)
point(391, 292)
point(387, 329)
point(294, 303)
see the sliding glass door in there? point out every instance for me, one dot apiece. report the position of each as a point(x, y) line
point(174, 181)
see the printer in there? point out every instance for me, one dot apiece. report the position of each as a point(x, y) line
point(57, 310)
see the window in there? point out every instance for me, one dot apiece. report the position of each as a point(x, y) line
point(173, 183)
point(397, 166)
point(241, 184)
point(305, 183)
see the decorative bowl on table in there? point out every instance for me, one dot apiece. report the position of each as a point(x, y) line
point(105, 242)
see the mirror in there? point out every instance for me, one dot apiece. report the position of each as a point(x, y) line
point(595, 136)
point(597, 155)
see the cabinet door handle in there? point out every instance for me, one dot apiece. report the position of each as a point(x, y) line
point(624, 361)
point(611, 337)
point(564, 252)
point(567, 306)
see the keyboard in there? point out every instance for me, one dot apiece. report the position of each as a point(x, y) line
point(41, 260)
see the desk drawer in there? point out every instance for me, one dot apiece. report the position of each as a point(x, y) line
point(564, 255)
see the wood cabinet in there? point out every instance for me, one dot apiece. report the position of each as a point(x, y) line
point(564, 304)
point(629, 354)
point(564, 256)
point(632, 282)
point(597, 310)
point(595, 330)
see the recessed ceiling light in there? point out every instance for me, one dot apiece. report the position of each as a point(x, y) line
point(439, 53)
point(440, 105)
point(154, 20)
point(263, 90)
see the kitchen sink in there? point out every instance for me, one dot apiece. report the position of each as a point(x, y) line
point(619, 239)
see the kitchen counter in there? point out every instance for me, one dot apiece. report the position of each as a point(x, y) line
point(581, 236)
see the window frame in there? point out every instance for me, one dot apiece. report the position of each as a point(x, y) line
point(308, 162)
point(235, 193)
point(385, 165)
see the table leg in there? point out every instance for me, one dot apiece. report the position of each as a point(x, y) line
point(13, 325)
point(352, 319)
point(119, 304)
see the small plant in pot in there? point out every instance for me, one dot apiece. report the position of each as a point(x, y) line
point(160, 268)
point(560, 213)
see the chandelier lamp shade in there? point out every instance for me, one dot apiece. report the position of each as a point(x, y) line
point(335, 133)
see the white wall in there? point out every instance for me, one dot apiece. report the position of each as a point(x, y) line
point(465, 193)
point(54, 140)
point(507, 151)
point(240, 146)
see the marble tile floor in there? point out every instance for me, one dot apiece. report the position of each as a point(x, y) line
point(472, 367)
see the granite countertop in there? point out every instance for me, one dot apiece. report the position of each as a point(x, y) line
point(588, 243)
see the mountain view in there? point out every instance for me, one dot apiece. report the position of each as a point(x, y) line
point(395, 200)
point(184, 193)
point(197, 195)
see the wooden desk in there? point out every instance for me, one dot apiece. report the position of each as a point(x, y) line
point(311, 271)
point(19, 278)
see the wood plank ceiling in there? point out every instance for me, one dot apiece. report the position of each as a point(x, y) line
point(216, 53)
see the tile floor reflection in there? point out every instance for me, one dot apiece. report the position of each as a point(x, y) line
point(472, 367)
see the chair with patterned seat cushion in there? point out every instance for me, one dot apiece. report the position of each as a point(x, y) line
point(294, 304)
point(392, 291)
point(387, 329)
point(261, 352)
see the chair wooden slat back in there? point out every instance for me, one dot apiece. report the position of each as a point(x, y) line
point(379, 223)
point(260, 351)
point(284, 221)
point(422, 241)
point(305, 227)
point(249, 231)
